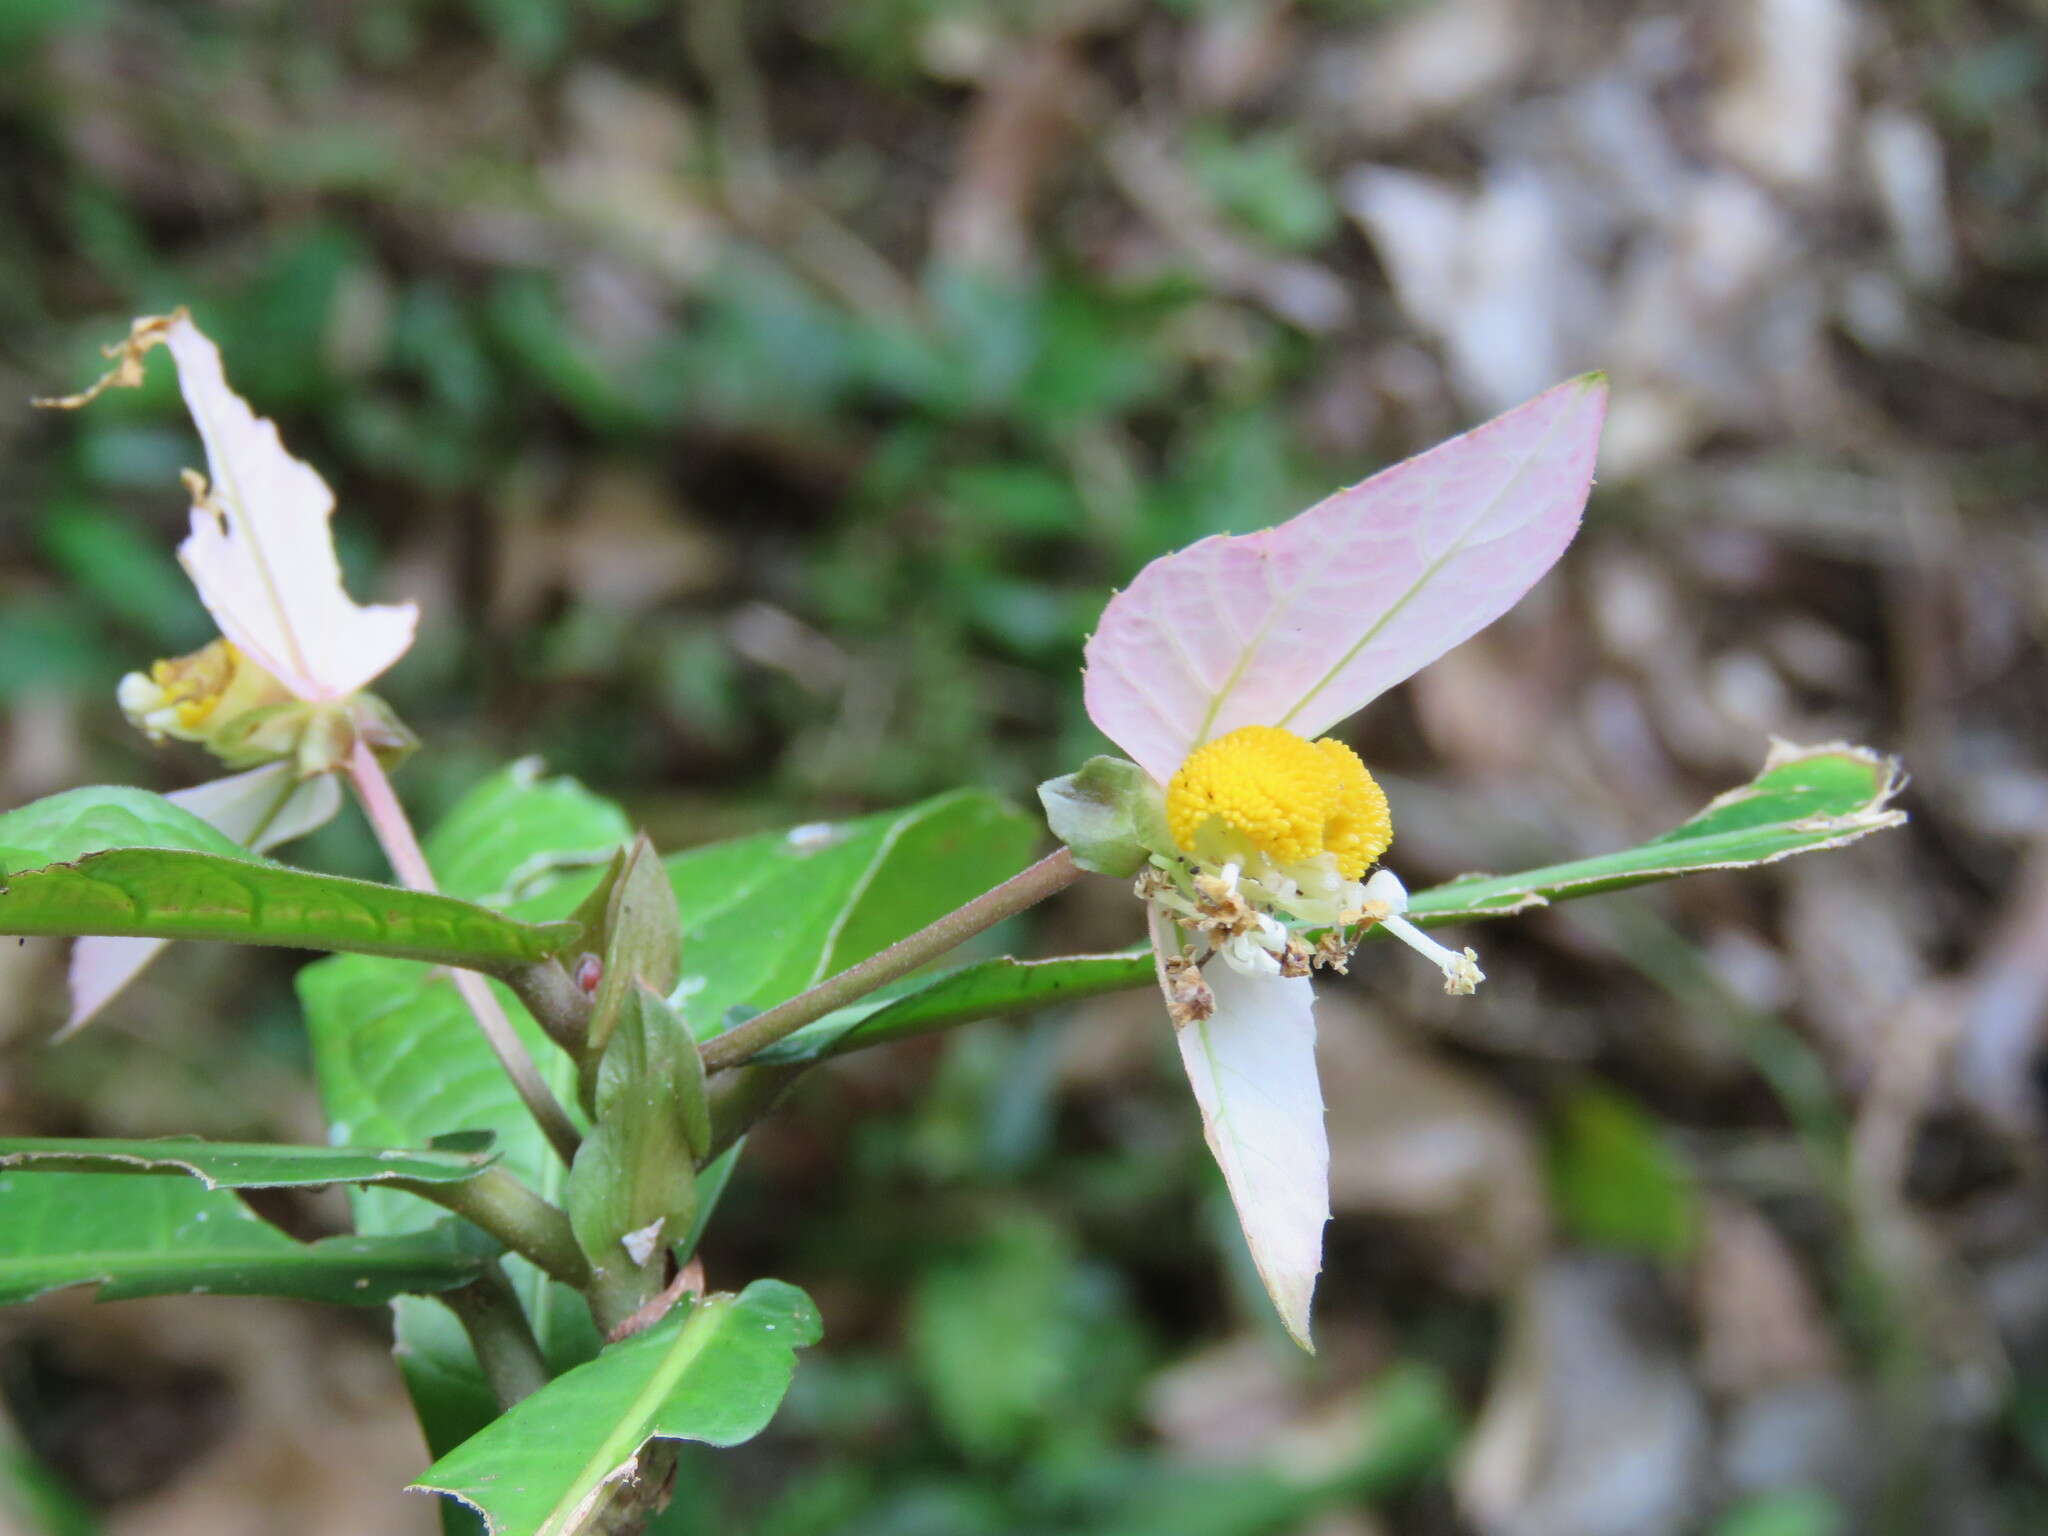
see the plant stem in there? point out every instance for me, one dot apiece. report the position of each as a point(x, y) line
point(630, 1504)
point(558, 1005)
point(1053, 873)
point(742, 1098)
point(515, 1216)
point(616, 1293)
point(402, 848)
point(490, 1314)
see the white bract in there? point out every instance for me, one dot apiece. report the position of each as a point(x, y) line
point(283, 686)
point(1215, 671)
point(260, 550)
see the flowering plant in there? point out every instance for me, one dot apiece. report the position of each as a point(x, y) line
point(1214, 670)
point(541, 1048)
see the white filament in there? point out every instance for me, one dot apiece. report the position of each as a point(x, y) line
point(1461, 971)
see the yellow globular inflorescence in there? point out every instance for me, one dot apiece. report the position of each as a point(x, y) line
point(1289, 798)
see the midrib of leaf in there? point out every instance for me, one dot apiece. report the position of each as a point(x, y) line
point(1721, 850)
point(614, 1450)
point(1429, 573)
point(857, 892)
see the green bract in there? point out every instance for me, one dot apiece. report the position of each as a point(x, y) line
point(632, 1192)
point(1109, 813)
point(632, 924)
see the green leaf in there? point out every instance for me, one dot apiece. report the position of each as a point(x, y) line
point(653, 1065)
point(714, 1374)
point(766, 916)
point(926, 1003)
point(1805, 799)
point(399, 1061)
point(81, 821)
point(240, 1165)
point(1266, 182)
point(125, 568)
point(156, 1237)
point(109, 860)
point(517, 833)
point(25, 23)
point(1400, 1430)
point(711, 1181)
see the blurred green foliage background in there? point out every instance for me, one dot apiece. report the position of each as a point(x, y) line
point(762, 400)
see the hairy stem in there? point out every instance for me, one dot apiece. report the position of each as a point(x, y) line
point(515, 1216)
point(1053, 873)
point(402, 848)
point(490, 1314)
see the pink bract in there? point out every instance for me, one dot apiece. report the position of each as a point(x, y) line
point(1303, 624)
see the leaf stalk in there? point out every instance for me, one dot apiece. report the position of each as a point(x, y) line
point(496, 1201)
point(490, 1314)
point(1050, 875)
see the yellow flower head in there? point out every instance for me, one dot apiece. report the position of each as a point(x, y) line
point(222, 699)
point(1290, 799)
point(191, 697)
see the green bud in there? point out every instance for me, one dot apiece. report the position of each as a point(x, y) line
point(1109, 813)
point(632, 1189)
point(377, 725)
point(653, 1055)
point(638, 933)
